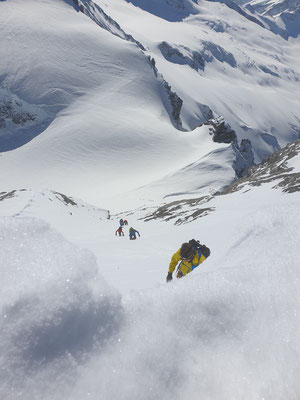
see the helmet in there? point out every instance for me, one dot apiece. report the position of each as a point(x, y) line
point(187, 252)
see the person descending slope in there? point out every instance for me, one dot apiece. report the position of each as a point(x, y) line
point(190, 255)
point(121, 222)
point(120, 231)
point(132, 233)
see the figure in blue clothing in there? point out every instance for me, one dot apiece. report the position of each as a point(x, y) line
point(132, 233)
point(121, 222)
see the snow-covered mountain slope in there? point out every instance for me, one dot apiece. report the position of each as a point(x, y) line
point(284, 13)
point(119, 93)
point(127, 104)
point(276, 7)
point(212, 49)
point(282, 169)
point(226, 331)
point(280, 16)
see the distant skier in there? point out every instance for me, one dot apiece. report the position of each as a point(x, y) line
point(120, 231)
point(125, 222)
point(121, 222)
point(132, 233)
point(190, 255)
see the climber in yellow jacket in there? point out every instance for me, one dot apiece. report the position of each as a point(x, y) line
point(190, 255)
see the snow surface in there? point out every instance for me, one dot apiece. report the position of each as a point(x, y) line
point(229, 330)
point(85, 314)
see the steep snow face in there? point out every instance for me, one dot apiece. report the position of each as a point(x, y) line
point(120, 93)
point(57, 56)
point(230, 327)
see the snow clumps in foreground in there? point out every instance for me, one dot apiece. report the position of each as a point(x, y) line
point(55, 309)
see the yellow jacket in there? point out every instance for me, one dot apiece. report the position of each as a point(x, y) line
point(185, 266)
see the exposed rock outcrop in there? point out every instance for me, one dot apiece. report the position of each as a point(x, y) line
point(173, 54)
point(208, 51)
point(273, 169)
point(175, 102)
point(222, 132)
point(182, 211)
point(12, 110)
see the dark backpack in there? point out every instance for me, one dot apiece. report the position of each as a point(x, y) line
point(197, 246)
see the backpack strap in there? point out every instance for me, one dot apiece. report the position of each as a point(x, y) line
point(193, 265)
point(197, 265)
point(178, 267)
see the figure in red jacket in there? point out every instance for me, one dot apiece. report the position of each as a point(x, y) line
point(120, 231)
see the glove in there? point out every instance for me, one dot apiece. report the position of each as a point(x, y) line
point(169, 277)
point(204, 250)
